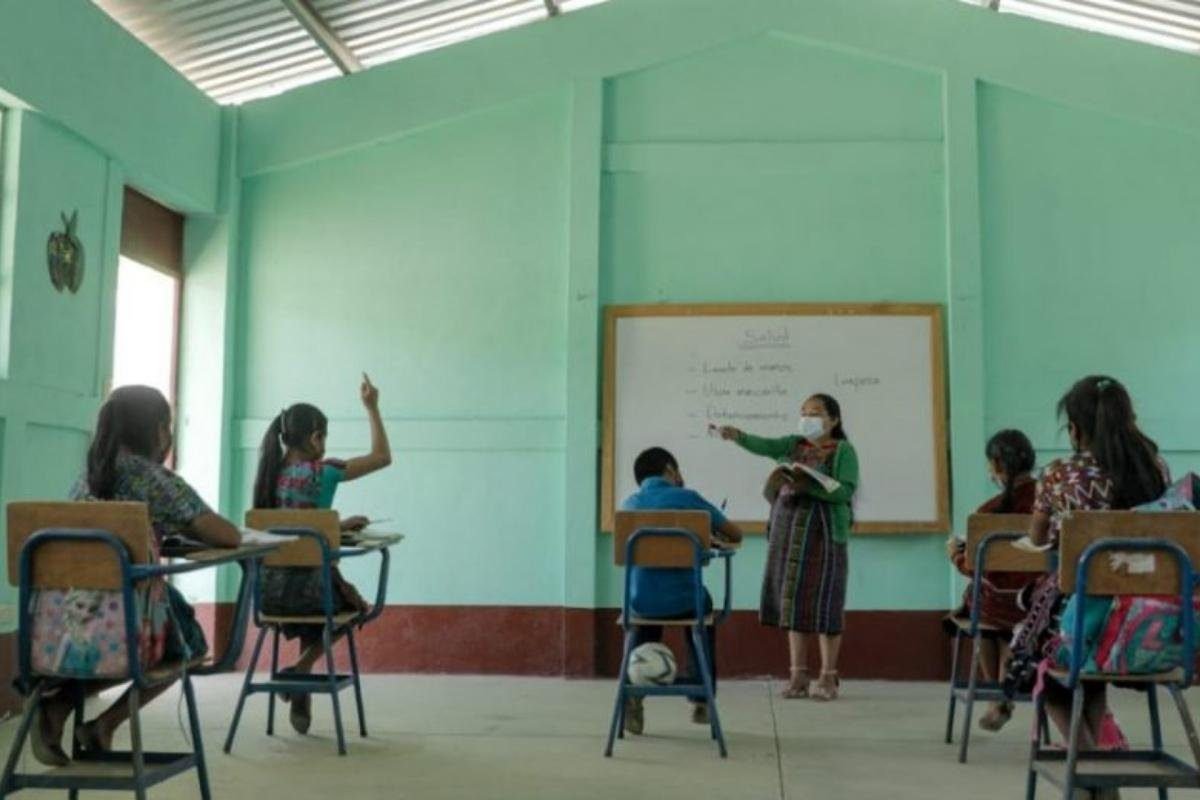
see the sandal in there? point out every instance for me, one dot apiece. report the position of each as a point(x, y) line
point(45, 750)
point(797, 688)
point(827, 687)
point(997, 715)
point(90, 739)
point(301, 714)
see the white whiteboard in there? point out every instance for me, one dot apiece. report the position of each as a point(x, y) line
point(673, 370)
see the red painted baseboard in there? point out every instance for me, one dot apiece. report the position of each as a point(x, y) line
point(582, 643)
point(10, 701)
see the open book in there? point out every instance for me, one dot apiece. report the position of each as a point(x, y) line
point(821, 479)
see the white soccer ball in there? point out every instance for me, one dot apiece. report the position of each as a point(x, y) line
point(652, 664)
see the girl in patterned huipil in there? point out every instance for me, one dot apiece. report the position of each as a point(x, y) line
point(294, 473)
point(79, 633)
point(1114, 466)
point(804, 583)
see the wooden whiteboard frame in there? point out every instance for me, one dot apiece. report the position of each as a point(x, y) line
point(932, 311)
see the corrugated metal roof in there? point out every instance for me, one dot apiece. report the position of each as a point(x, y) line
point(1167, 23)
point(238, 50)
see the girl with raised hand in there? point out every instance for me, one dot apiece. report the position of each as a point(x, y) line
point(294, 473)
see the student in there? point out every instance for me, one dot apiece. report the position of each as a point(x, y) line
point(86, 628)
point(1114, 466)
point(1010, 459)
point(668, 593)
point(804, 583)
point(293, 473)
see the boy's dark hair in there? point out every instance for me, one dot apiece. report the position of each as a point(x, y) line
point(1013, 451)
point(1102, 412)
point(652, 463)
point(130, 418)
point(833, 409)
point(291, 428)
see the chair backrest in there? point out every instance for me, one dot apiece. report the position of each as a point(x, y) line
point(1002, 556)
point(77, 565)
point(304, 552)
point(657, 551)
point(1145, 573)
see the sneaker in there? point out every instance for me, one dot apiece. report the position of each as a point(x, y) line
point(635, 719)
point(700, 713)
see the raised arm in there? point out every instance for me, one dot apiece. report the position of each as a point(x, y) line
point(759, 445)
point(381, 452)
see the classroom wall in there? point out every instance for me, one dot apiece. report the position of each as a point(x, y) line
point(454, 223)
point(84, 110)
point(689, 152)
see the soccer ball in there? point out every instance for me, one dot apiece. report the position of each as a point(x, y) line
point(651, 664)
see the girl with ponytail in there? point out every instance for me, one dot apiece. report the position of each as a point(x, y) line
point(294, 473)
point(1010, 460)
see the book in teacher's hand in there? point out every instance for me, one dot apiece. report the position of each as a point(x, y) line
point(801, 471)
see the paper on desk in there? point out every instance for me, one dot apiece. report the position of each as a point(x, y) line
point(1132, 563)
point(253, 536)
point(1026, 544)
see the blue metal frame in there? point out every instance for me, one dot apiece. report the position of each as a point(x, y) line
point(705, 690)
point(1182, 774)
point(331, 682)
point(148, 768)
point(972, 690)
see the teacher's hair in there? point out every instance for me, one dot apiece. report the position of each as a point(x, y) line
point(292, 428)
point(1102, 412)
point(1013, 451)
point(833, 409)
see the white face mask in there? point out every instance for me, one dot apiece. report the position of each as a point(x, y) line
point(811, 428)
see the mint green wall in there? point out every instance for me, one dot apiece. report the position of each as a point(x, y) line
point(86, 110)
point(72, 63)
point(909, 150)
point(435, 263)
point(56, 342)
point(1091, 236)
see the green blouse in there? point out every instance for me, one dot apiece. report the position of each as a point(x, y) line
point(844, 471)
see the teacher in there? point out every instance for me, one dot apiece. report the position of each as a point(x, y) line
point(804, 583)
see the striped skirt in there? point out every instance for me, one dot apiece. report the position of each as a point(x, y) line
point(804, 584)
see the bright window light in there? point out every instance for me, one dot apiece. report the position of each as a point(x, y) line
point(144, 344)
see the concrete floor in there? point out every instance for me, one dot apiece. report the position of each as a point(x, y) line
point(489, 737)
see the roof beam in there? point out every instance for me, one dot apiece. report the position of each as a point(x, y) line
point(323, 35)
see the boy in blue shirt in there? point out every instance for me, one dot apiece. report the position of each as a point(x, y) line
point(667, 593)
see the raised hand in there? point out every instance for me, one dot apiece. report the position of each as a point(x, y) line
point(729, 433)
point(369, 393)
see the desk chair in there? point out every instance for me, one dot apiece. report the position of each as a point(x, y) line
point(318, 546)
point(102, 546)
point(1174, 541)
point(679, 539)
point(989, 548)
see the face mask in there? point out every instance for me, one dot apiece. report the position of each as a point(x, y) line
point(811, 427)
